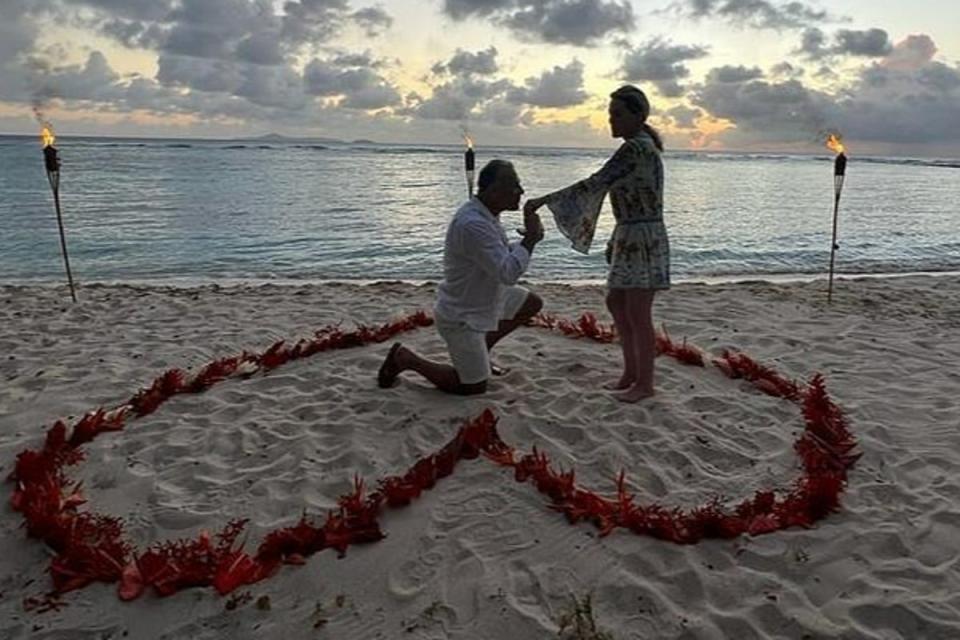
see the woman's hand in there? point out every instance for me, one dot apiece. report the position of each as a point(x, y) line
point(531, 206)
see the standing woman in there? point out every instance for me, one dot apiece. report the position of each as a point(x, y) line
point(638, 251)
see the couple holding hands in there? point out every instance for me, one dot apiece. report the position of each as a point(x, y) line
point(479, 302)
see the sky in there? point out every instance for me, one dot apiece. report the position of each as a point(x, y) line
point(764, 75)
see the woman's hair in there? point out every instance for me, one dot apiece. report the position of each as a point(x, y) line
point(637, 103)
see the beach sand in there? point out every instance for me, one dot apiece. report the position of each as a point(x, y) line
point(482, 556)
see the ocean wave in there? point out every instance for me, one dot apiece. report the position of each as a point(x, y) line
point(408, 150)
point(911, 162)
point(712, 156)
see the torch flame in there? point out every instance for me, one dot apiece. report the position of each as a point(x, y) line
point(835, 144)
point(468, 140)
point(46, 134)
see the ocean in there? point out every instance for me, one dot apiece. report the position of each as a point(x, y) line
point(198, 211)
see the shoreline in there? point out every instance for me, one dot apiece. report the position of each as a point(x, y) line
point(199, 283)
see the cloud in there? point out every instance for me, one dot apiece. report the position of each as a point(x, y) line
point(574, 22)
point(504, 114)
point(215, 59)
point(201, 74)
point(872, 43)
point(939, 77)
point(555, 88)
point(869, 43)
point(374, 20)
point(133, 34)
point(92, 81)
point(731, 74)
point(825, 73)
point(684, 117)
point(364, 59)
point(358, 87)
point(913, 53)
point(760, 106)
point(239, 62)
point(260, 48)
point(306, 21)
point(786, 70)
point(661, 62)
point(216, 28)
point(812, 41)
point(246, 48)
point(905, 97)
point(279, 87)
point(18, 31)
point(758, 14)
point(458, 99)
point(463, 9)
point(136, 10)
point(465, 63)
point(472, 93)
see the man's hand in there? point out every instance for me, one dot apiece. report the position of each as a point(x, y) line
point(531, 221)
point(532, 231)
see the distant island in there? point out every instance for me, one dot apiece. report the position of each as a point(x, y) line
point(276, 137)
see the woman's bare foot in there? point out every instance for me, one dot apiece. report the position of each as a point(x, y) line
point(496, 370)
point(624, 382)
point(634, 394)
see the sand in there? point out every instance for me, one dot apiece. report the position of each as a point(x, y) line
point(482, 556)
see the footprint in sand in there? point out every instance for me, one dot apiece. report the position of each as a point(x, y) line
point(415, 574)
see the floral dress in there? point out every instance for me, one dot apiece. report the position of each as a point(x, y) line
point(640, 249)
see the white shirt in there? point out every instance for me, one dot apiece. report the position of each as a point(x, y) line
point(478, 263)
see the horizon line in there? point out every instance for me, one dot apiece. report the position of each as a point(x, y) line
point(285, 138)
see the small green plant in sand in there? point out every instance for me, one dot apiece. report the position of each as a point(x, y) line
point(578, 623)
point(428, 617)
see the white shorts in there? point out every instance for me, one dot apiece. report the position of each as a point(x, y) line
point(468, 347)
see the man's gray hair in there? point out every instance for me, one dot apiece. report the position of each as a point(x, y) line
point(490, 171)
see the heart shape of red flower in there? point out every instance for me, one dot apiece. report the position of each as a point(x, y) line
point(92, 547)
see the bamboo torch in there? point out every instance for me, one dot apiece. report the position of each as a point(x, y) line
point(469, 164)
point(839, 172)
point(52, 162)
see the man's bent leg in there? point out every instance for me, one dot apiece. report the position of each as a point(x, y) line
point(531, 306)
point(471, 361)
point(443, 376)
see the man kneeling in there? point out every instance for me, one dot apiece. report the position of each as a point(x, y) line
point(478, 302)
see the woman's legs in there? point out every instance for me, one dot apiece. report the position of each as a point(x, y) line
point(616, 300)
point(638, 306)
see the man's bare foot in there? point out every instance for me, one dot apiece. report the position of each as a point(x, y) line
point(623, 383)
point(390, 369)
point(634, 394)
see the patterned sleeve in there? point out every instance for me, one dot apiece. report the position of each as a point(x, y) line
point(576, 208)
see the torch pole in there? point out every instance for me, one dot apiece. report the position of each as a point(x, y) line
point(469, 165)
point(52, 162)
point(63, 244)
point(840, 167)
